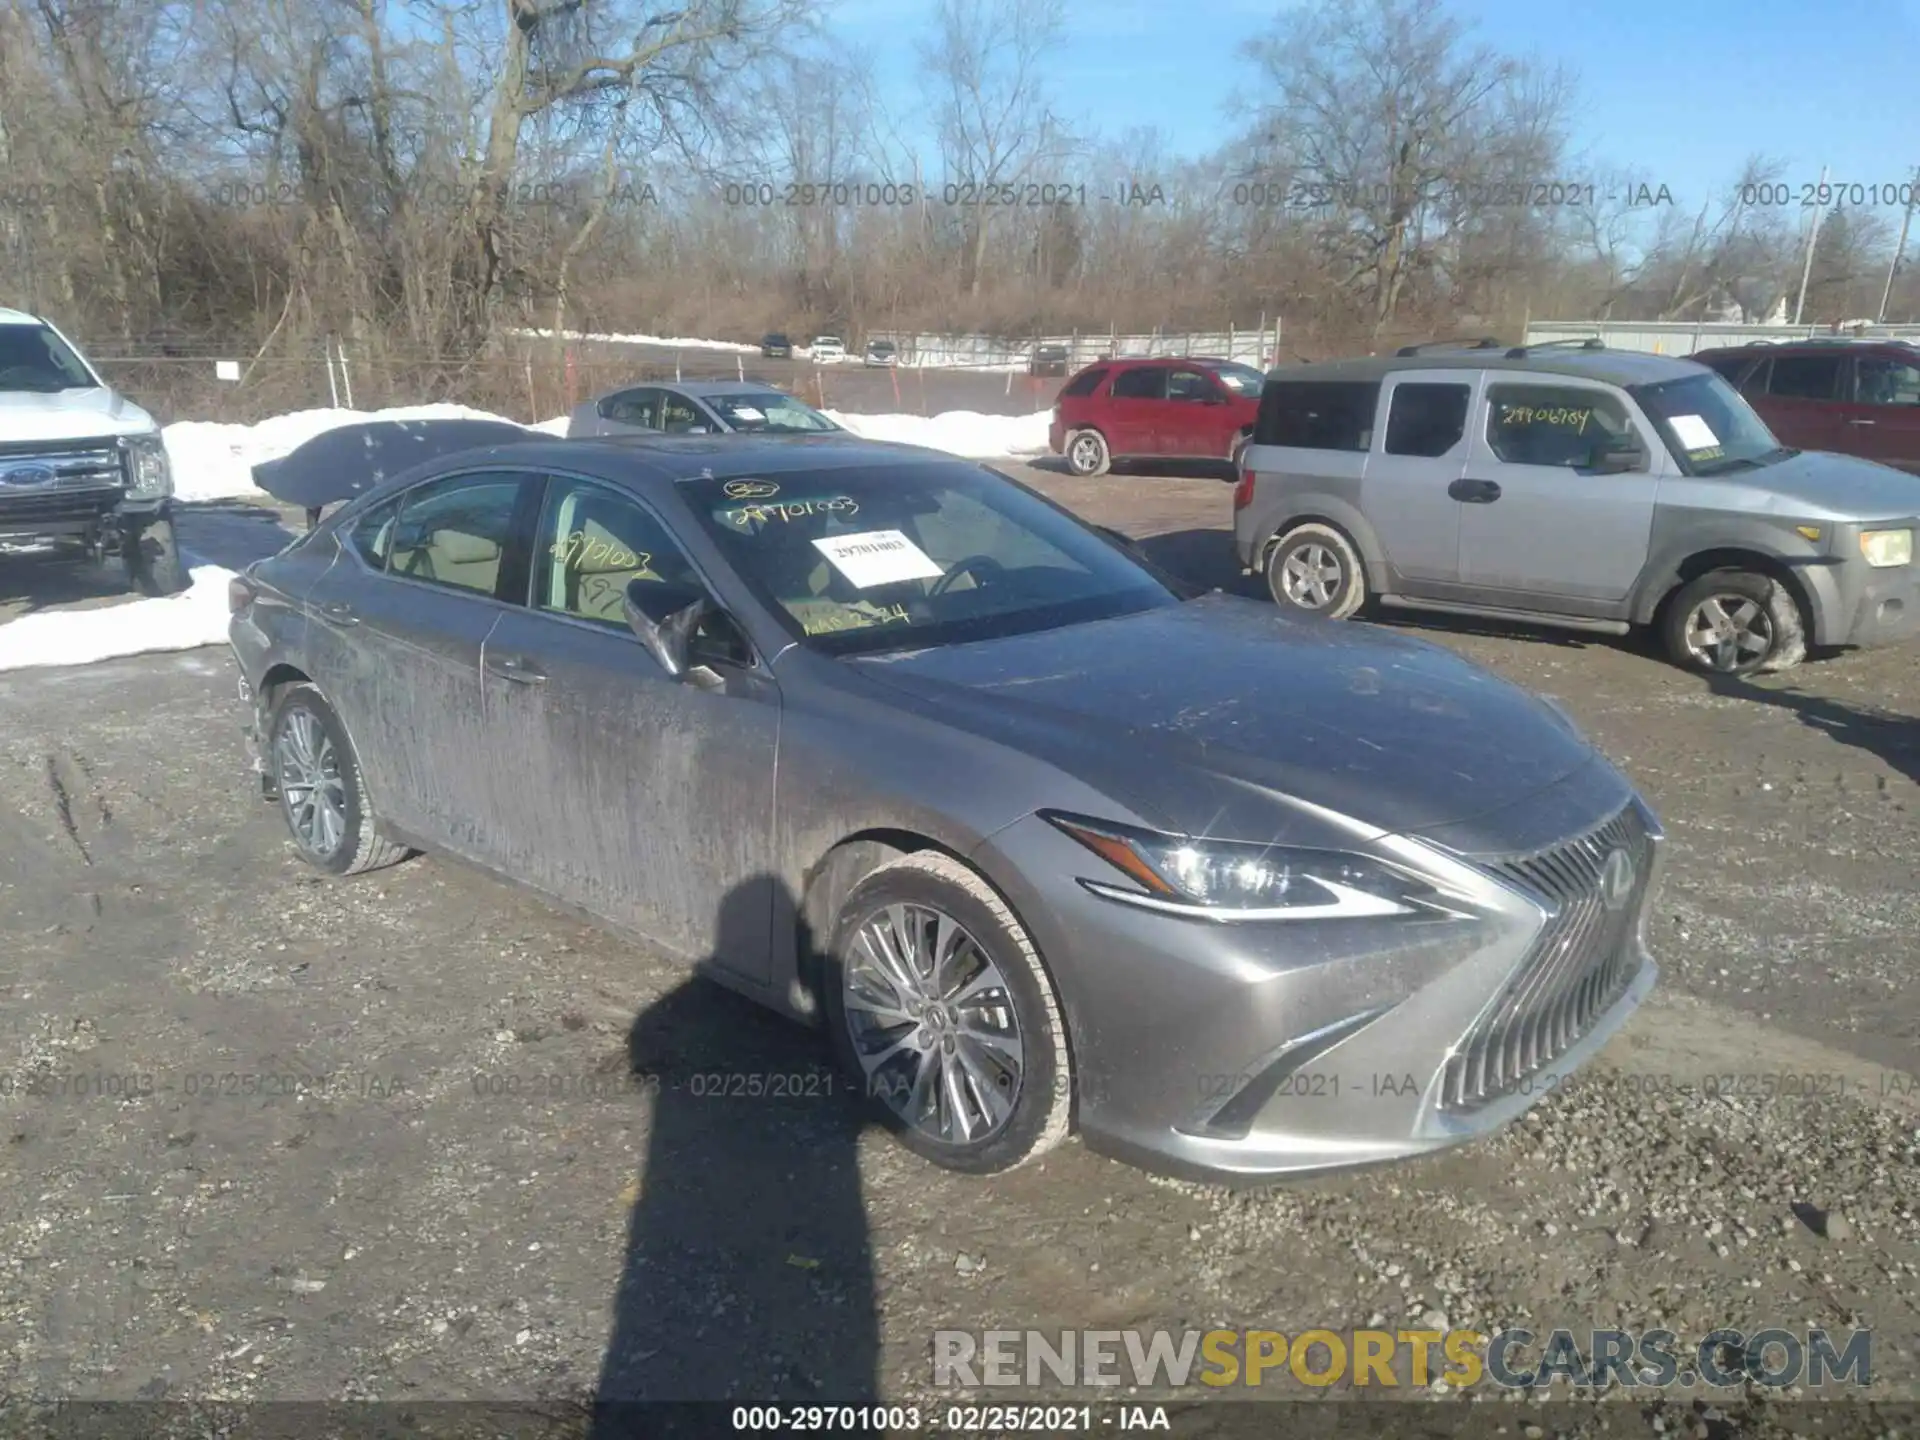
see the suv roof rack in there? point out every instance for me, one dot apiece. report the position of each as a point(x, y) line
point(1590, 342)
point(1485, 342)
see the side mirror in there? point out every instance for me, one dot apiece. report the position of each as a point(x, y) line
point(1619, 459)
point(665, 617)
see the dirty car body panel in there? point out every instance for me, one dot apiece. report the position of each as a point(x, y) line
point(716, 812)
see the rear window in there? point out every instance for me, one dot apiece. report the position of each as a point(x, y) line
point(1727, 366)
point(1148, 382)
point(1085, 383)
point(1318, 414)
point(1805, 377)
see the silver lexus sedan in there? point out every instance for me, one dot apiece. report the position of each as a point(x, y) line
point(897, 746)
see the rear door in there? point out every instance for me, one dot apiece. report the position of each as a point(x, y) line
point(1539, 528)
point(396, 627)
point(637, 409)
point(1798, 394)
point(1882, 415)
point(1197, 418)
point(1135, 401)
point(1420, 450)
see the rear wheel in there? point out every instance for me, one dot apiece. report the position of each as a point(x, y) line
point(321, 797)
point(1087, 453)
point(1314, 568)
point(1734, 622)
point(940, 1008)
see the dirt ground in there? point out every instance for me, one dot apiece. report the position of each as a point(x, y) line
point(267, 1136)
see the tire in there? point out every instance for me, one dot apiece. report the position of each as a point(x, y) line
point(1315, 560)
point(152, 555)
point(1087, 453)
point(1025, 1011)
point(1759, 625)
point(302, 720)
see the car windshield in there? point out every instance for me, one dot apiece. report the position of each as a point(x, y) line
point(770, 413)
point(34, 358)
point(1241, 379)
point(1708, 426)
point(888, 557)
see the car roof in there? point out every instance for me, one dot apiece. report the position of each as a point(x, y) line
point(18, 317)
point(1822, 344)
point(1613, 367)
point(716, 387)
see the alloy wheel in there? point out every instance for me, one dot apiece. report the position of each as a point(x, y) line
point(1313, 577)
point(1728, 632)
point(311, 785)
point(933, 1024)
point(1086, 452)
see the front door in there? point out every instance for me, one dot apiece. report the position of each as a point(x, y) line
point(1421, 451)
point(398, 625)
point(1537, 522)
point(1197, 418)
point(644, 799)
point(1883, 417)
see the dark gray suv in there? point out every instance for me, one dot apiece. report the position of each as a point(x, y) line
point(1572, 485)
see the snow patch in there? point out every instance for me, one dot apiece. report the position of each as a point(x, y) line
point(195, 617)
point(966, 433)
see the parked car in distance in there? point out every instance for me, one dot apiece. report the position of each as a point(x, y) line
point(697, 407)
point(1853, 397)
point(1159, 409)
point(882, 353)
point(827, 349)
point(83, 470)
point(1577, 486)
point(1048, 360)
point(776, 346)
point(1052, 842)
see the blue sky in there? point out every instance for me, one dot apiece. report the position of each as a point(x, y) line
point(1682, 90)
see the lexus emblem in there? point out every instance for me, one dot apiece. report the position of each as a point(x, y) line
point(1616, 880)
point(750, 489)
point(25, 475)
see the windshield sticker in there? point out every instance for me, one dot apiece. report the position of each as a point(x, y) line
point(747, 412)
point(598, 553)
point(857, 619)
point(745, 517)
point(1558, 417)
point(750, 489)
point(878, 557)
point(1693, 433)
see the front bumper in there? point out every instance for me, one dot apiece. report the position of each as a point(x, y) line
point(1248, 1052)
point(1886, 609)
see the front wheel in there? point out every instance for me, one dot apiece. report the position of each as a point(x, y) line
point(321, 797)
point(1314, 568)
point(1734, 622)
point(940, 1009)
point(1087, 453)
point(152, 554)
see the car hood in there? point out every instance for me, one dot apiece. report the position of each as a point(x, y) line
point(1818, 485)
point(98, 413)
point(1190, 711)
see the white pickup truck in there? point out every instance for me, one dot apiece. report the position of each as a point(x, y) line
point(81, 467)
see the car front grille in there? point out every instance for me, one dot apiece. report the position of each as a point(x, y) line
point(54, 483)
point(1584, 960)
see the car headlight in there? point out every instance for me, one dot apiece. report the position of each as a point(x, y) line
point(1230, 880)
point(150, 475)
point(1887, 547)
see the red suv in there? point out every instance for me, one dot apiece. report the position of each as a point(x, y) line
point(1155, 410)
point(1857, 397)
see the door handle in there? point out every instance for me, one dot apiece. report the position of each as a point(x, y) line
point(340, 613)
point(1474, 492)
point(1860, 422)
point(518, 669)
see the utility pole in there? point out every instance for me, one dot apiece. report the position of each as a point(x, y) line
point(1900, 249)
point(1813, 234)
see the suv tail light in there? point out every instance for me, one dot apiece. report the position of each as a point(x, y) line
point(1243, 492)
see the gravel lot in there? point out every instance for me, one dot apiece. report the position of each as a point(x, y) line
point(431, 1176)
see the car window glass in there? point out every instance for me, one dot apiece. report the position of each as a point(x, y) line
point(372, 534)
point(1551, 425)
point(679, 415)
point(1085, 384)
point(33, 358)
point(1426, 419)
point(1887, 382)
point(1317, 414)
point(1805, 377)
point(453, 532)
point(1188, 385)
point(635, 407)
point(1148, 382)
point(592, 543)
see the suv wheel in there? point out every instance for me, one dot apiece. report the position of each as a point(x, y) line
point(1734, 622)
point(319, 783)
point(940, 1009)
point(1087, 453)
point(1314, 568)
point(152, 555)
